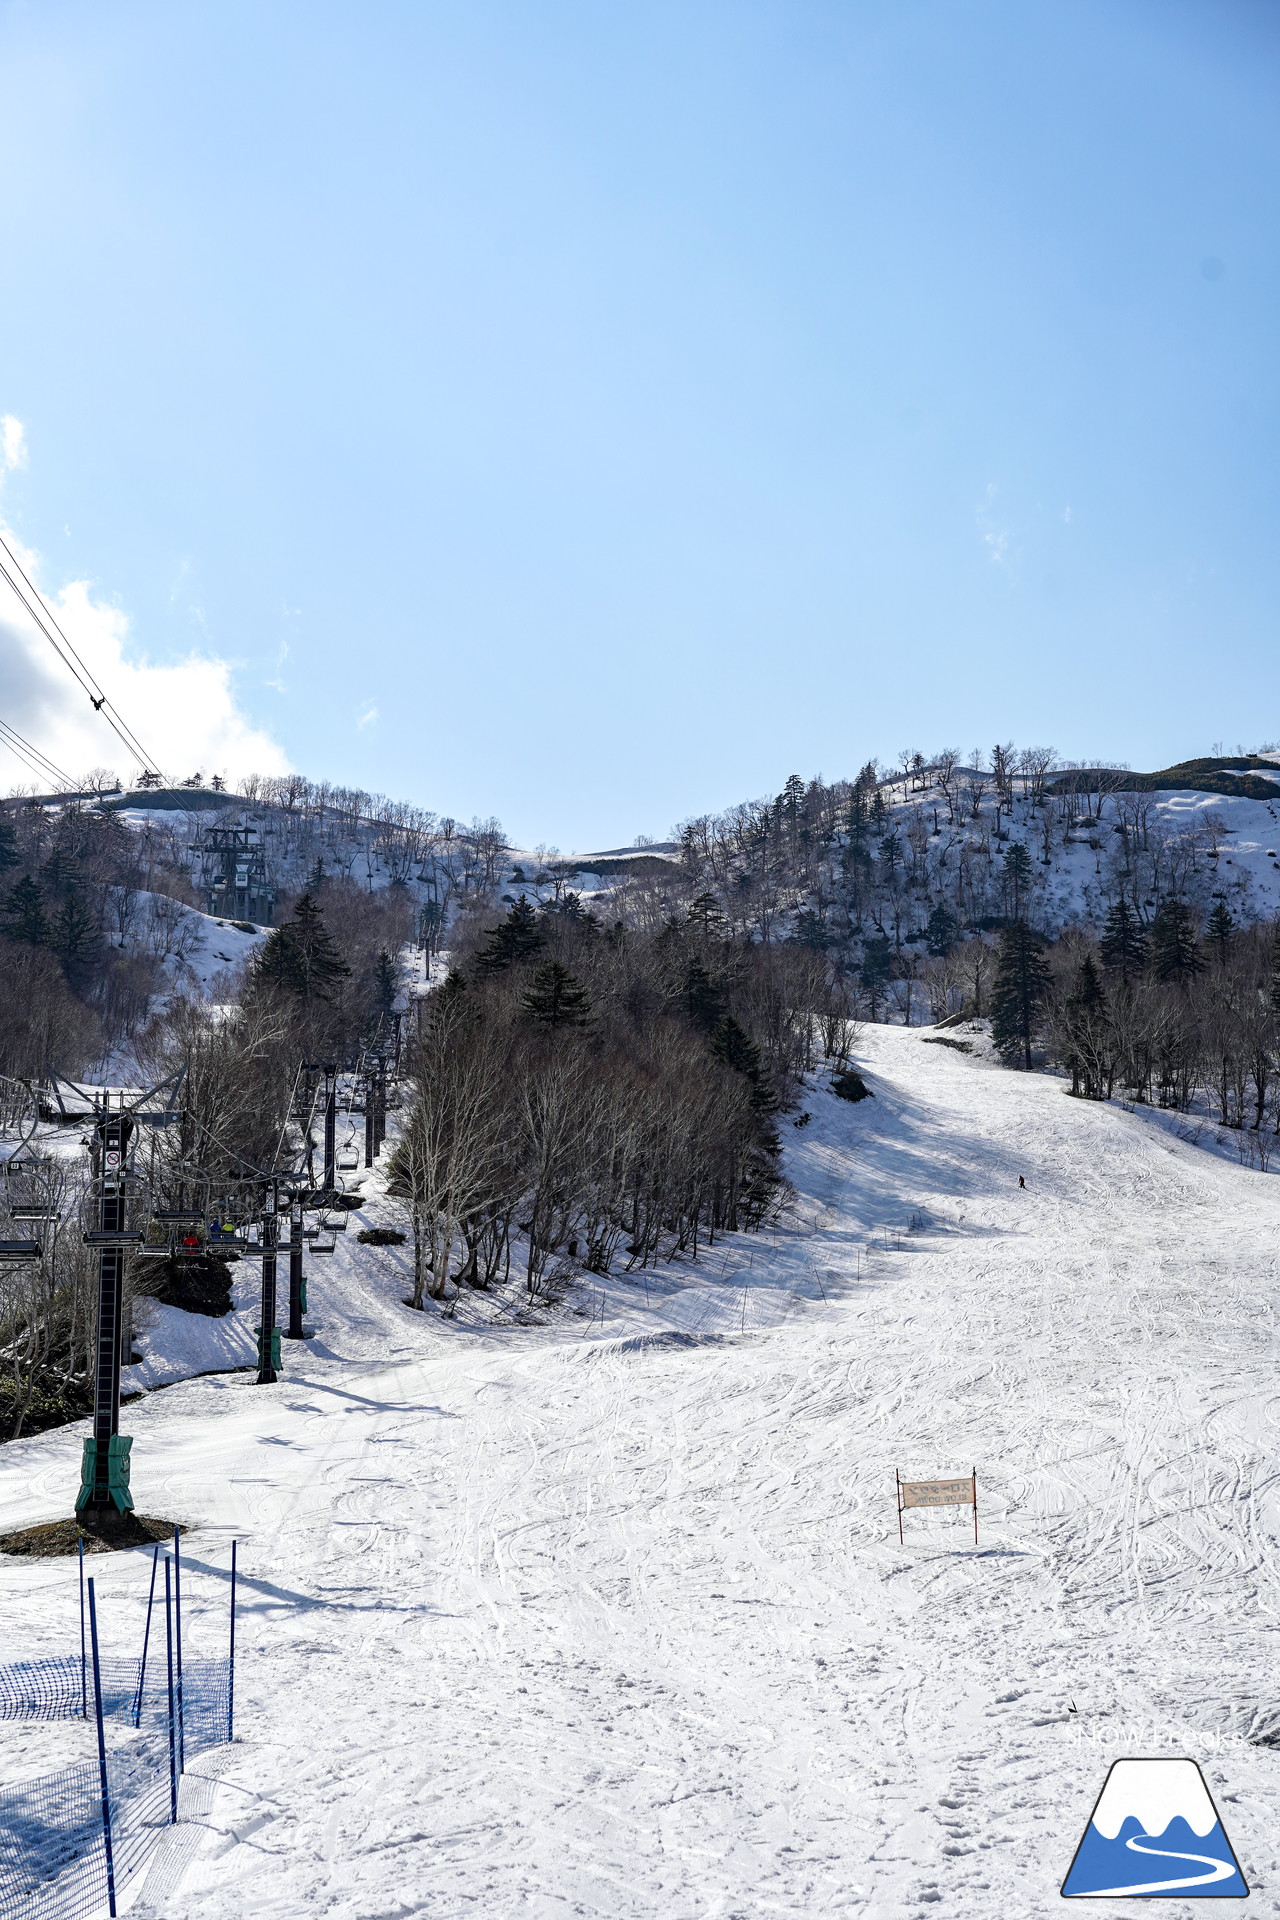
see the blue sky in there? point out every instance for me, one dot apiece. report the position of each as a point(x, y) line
point(592, 414)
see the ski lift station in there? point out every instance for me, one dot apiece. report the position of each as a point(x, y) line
point(234, 875)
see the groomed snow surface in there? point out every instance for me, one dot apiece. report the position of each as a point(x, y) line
point(608, 1616)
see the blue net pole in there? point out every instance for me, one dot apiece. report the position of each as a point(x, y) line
point(146, 1640)
point(177, 1638)
point(102, 1754)
point(231, 1662)
point(84, 1702)
point(173, 1736)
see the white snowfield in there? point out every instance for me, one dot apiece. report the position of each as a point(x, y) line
point(610, 1617)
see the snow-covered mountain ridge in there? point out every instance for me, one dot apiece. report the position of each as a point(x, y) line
point(838, 867)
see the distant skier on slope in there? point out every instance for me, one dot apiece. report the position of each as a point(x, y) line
point(1022, 1183)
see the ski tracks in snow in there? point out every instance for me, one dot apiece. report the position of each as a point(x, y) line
point(545, 1624)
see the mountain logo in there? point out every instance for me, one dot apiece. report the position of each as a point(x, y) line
point(1154, 1830)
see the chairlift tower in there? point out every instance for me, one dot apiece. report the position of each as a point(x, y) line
point(234, 874)
point(297, 1278)
point(375, 1106)
point(269, 1332)
point(104, 1473)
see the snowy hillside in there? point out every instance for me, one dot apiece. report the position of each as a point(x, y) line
point(921, 845)
point(193, 948)
point(303, 832)
point(608, 1615)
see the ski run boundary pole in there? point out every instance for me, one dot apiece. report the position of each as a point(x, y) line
point(231, 1662)
point(173, 1719)
point(146, 1641)
point(177, 1641)
point(102, 1753)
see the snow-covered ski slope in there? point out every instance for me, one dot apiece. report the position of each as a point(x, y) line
point(610, 1617)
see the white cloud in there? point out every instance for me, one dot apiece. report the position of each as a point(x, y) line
point(367, 718)
point(185, 713)
point(13, 443)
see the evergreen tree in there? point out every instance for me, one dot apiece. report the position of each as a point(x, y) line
point(810, 930)
point(300, 955)
point(879, 811)
point(385, 983)
point(877, 965)
point(1220, 929)
point(452, 986)
point(1022, 978)
point(857, 826)
point(515, 939)
point(73, 935)
point(8, 844)
point(791, 798)
point(702, 999)
point(450, 999)
point(1124, 942)
point(940, 931)
point(1173, 942)
point(323, 967)
point(1088, 1035)
point(707, 917)
point(60, 871)
point(1086, 993)
point(569, 907)
point(555, 999)
point(317, 876)
point(1015, 879)
point(732, 1045)
point(25, 914)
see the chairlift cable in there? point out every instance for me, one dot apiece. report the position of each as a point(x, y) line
point(254, 1173)
point(31, 756)
point(47, 623)
point(284, 1124)
point(39, 763)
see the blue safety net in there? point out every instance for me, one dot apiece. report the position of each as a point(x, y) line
point(53, 1859)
